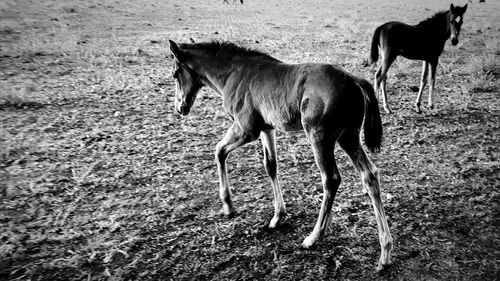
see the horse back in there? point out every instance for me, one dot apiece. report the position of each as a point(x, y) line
point(284, 96)
point(410, 41)
point(311, 93)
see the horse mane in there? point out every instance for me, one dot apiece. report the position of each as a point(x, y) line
point(224, 49)
point(433, 20)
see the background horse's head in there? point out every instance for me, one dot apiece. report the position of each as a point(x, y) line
point(187, 82)
point(456, 20)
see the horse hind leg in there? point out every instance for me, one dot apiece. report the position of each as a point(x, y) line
point(270, 164)
point(423, 83)
point(381, 77)
point(378, 78)
point(370, 178)
point(377, 81)
point(233, 139)
point(323, 148)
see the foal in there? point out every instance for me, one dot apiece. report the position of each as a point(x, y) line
point(262, 94)
point(424, 41)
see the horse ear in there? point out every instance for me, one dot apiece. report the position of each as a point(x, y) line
point(452, 8)
point(174, 49)
point(464, 8)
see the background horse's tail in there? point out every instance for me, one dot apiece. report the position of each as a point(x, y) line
point(372, 126)
point(375, 42)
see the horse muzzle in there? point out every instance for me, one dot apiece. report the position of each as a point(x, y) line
point(454, 41)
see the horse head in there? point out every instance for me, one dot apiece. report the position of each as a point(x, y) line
point(456, 20)
point(187, 81)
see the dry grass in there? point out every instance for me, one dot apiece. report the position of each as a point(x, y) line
point(482, 70)
point(100, 180)
point(20, 96)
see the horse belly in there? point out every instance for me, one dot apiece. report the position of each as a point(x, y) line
point(282, 120)
point(416, 47)
point(411, 55)
point(417, 53)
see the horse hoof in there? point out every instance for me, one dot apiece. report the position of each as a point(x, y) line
point(417, 108)
point(274, 222)
point(228, 211)
point(384, 262)
point(308, 242)
point(382, 267)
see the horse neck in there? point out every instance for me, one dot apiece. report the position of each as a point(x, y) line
point(444, 29)
point(212, 71)
point(440, 28)
point(447, 25)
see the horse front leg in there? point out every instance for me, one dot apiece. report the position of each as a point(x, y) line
point(423, 83)
point(432, 76)
point(323, 147)
point(270, 164)
point(234, 138)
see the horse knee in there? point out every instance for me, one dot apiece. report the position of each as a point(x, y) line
point(378, 77)
point(371, 175)
point(336, 180)
point(331, 184)
point(220, 153)
point(270, 164)
point(371, 182)
point(383, 77)
point(386, 242)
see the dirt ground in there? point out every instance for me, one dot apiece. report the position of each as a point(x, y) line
point(101, 180)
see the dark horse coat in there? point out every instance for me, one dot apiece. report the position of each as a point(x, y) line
point(262, 94)
point(424, 41)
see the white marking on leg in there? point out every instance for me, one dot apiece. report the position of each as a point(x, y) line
point(224, 190)
point(233, 139)
point(330, 178)
point(271, 166)
point(423, 83)
point(369, 177)
point(384, 96)
point(432, 75)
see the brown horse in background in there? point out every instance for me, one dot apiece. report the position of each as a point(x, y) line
point(424, 41)
point(234, 1)
point(262, 94)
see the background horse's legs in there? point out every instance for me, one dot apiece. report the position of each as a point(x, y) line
point(381, 76)
point(432, 76)
point(233, 139)
point(270, 164)
point(423, 83)
point(376, 83)
point(323, 147)
point(369, 176)
point(384, 96)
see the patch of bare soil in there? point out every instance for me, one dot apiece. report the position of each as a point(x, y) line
point(100, 179)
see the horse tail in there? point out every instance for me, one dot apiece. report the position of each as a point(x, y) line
point(372, 126)
point(375, 42)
